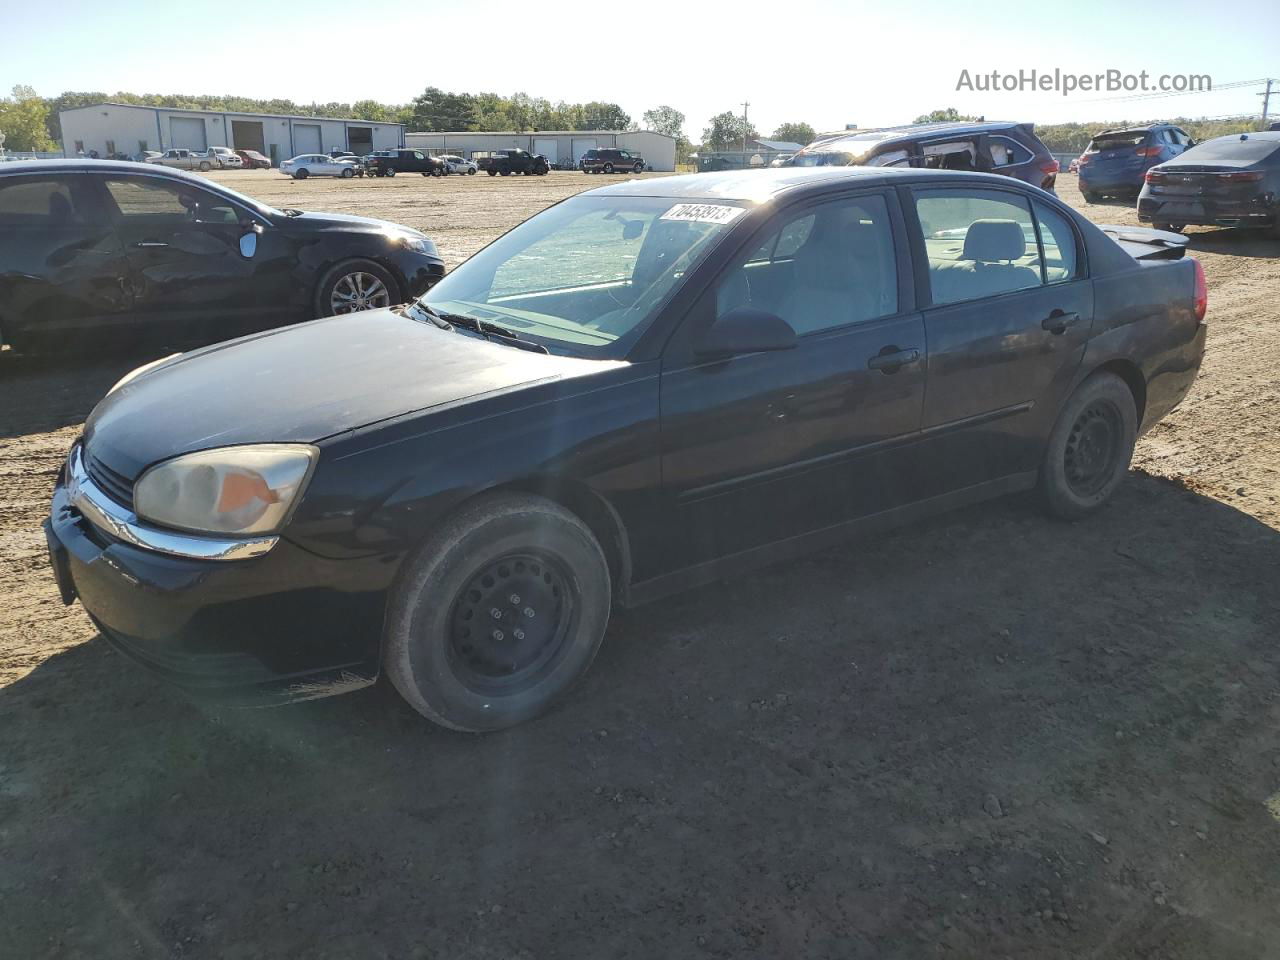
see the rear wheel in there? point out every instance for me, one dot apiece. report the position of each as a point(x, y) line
point(498, 614)
point(608, 168)
point(1089, 447)
point(389, 172)
point(1171, 227)
point(300, 174)
point(493, 172)
point(348, 173)
point(471, 171)
point(355, 285)
point(204, 166)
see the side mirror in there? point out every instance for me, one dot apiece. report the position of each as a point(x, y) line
point(746, 330)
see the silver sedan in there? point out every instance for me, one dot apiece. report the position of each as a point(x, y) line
point(318, 165)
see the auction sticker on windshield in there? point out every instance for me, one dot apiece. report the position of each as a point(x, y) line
point(703, 213)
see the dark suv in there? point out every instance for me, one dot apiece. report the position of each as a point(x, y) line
point(387, 163)
point(1010, 149)
point(108, 252)
point(1116, 160)
point(609, 160)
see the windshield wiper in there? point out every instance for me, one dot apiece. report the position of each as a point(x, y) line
point(485, 328)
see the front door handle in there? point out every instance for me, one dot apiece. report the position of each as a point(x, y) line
point(1058, 321)
point(150, 243)
point(891, 359)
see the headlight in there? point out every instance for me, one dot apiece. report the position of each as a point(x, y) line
point(139, 371)
point(418, 245)
point(246, 490)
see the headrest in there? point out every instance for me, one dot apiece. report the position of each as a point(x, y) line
point(993, 240)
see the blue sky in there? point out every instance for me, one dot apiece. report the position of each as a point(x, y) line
point(823, 62)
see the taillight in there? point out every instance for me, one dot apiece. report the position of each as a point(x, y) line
point(1148, 151)
point(1051, 167)
point(1252, 176)
point(1084, 158)
point(1202, 290)
point(1153, 176)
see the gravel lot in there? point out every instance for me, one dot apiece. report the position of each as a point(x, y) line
point(991, 735)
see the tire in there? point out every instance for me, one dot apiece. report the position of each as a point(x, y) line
point(1091, 196)
point(348, 173)
point(389, 172)
point(1089, 447)
point(471, 171)
point(331, 291)
point(509, 554)
point(638, 168)
point(492, 172)
point(1171, 227)
point(608, 168)
point(204, 166)
point(300, 174)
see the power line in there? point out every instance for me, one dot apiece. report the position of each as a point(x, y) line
point(1234, 85)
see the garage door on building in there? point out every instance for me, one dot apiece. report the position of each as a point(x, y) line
point(360, 140)
point(581, 145)
point(247, 135)
point(549, 148)
point(187, 133)
point(306, 138)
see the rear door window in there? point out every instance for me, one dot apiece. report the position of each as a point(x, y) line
point(43, 202)
point(978, 243)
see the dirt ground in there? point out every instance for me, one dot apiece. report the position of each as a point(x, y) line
point(991, 735)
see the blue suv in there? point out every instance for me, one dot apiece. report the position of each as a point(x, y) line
point(1116, 161)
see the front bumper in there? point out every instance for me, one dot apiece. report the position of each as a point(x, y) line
point(286, 625)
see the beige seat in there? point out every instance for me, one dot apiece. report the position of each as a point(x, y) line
point(986, 266)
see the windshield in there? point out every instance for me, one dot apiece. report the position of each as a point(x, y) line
point(588, 275)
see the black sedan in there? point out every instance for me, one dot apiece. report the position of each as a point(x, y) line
point(638, 390)
point(1231, 181)
point(105, 251)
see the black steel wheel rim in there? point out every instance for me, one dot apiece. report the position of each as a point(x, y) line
point(509, 624)
point(1093, 447)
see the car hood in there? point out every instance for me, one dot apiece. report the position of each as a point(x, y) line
point(314, 221)
point(305, 383)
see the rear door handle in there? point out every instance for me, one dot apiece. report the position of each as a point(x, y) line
point(150, 243)
point(891, 359)
point(1058, 321)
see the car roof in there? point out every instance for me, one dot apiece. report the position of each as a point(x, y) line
point(106, 166)
point(915, 131)
point(764, 184)
point(1140, 128)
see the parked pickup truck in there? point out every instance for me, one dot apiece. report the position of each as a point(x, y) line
point(387, 163)
point(185, 160)
point(744, 369)
point(507, 162)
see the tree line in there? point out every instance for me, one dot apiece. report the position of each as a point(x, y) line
point(30, 122)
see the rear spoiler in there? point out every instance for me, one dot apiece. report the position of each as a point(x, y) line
point(1144, 243)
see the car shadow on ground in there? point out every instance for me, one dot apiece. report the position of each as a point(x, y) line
point(39, 394)
point(1235, 242)
point(991, 734)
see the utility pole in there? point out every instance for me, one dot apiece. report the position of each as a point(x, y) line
point(1266, 102)
point(745, 127)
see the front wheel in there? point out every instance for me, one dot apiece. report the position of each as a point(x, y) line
point(471, 171)
point(608, 168)
point(638, 168)
point(1171, 227)
point(355, 285)
point(389, 172)
point(493, 173)
point(498, 614)
point(1089, 447)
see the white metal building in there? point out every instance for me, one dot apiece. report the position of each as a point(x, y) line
point(123, 128)
point(558, 146)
